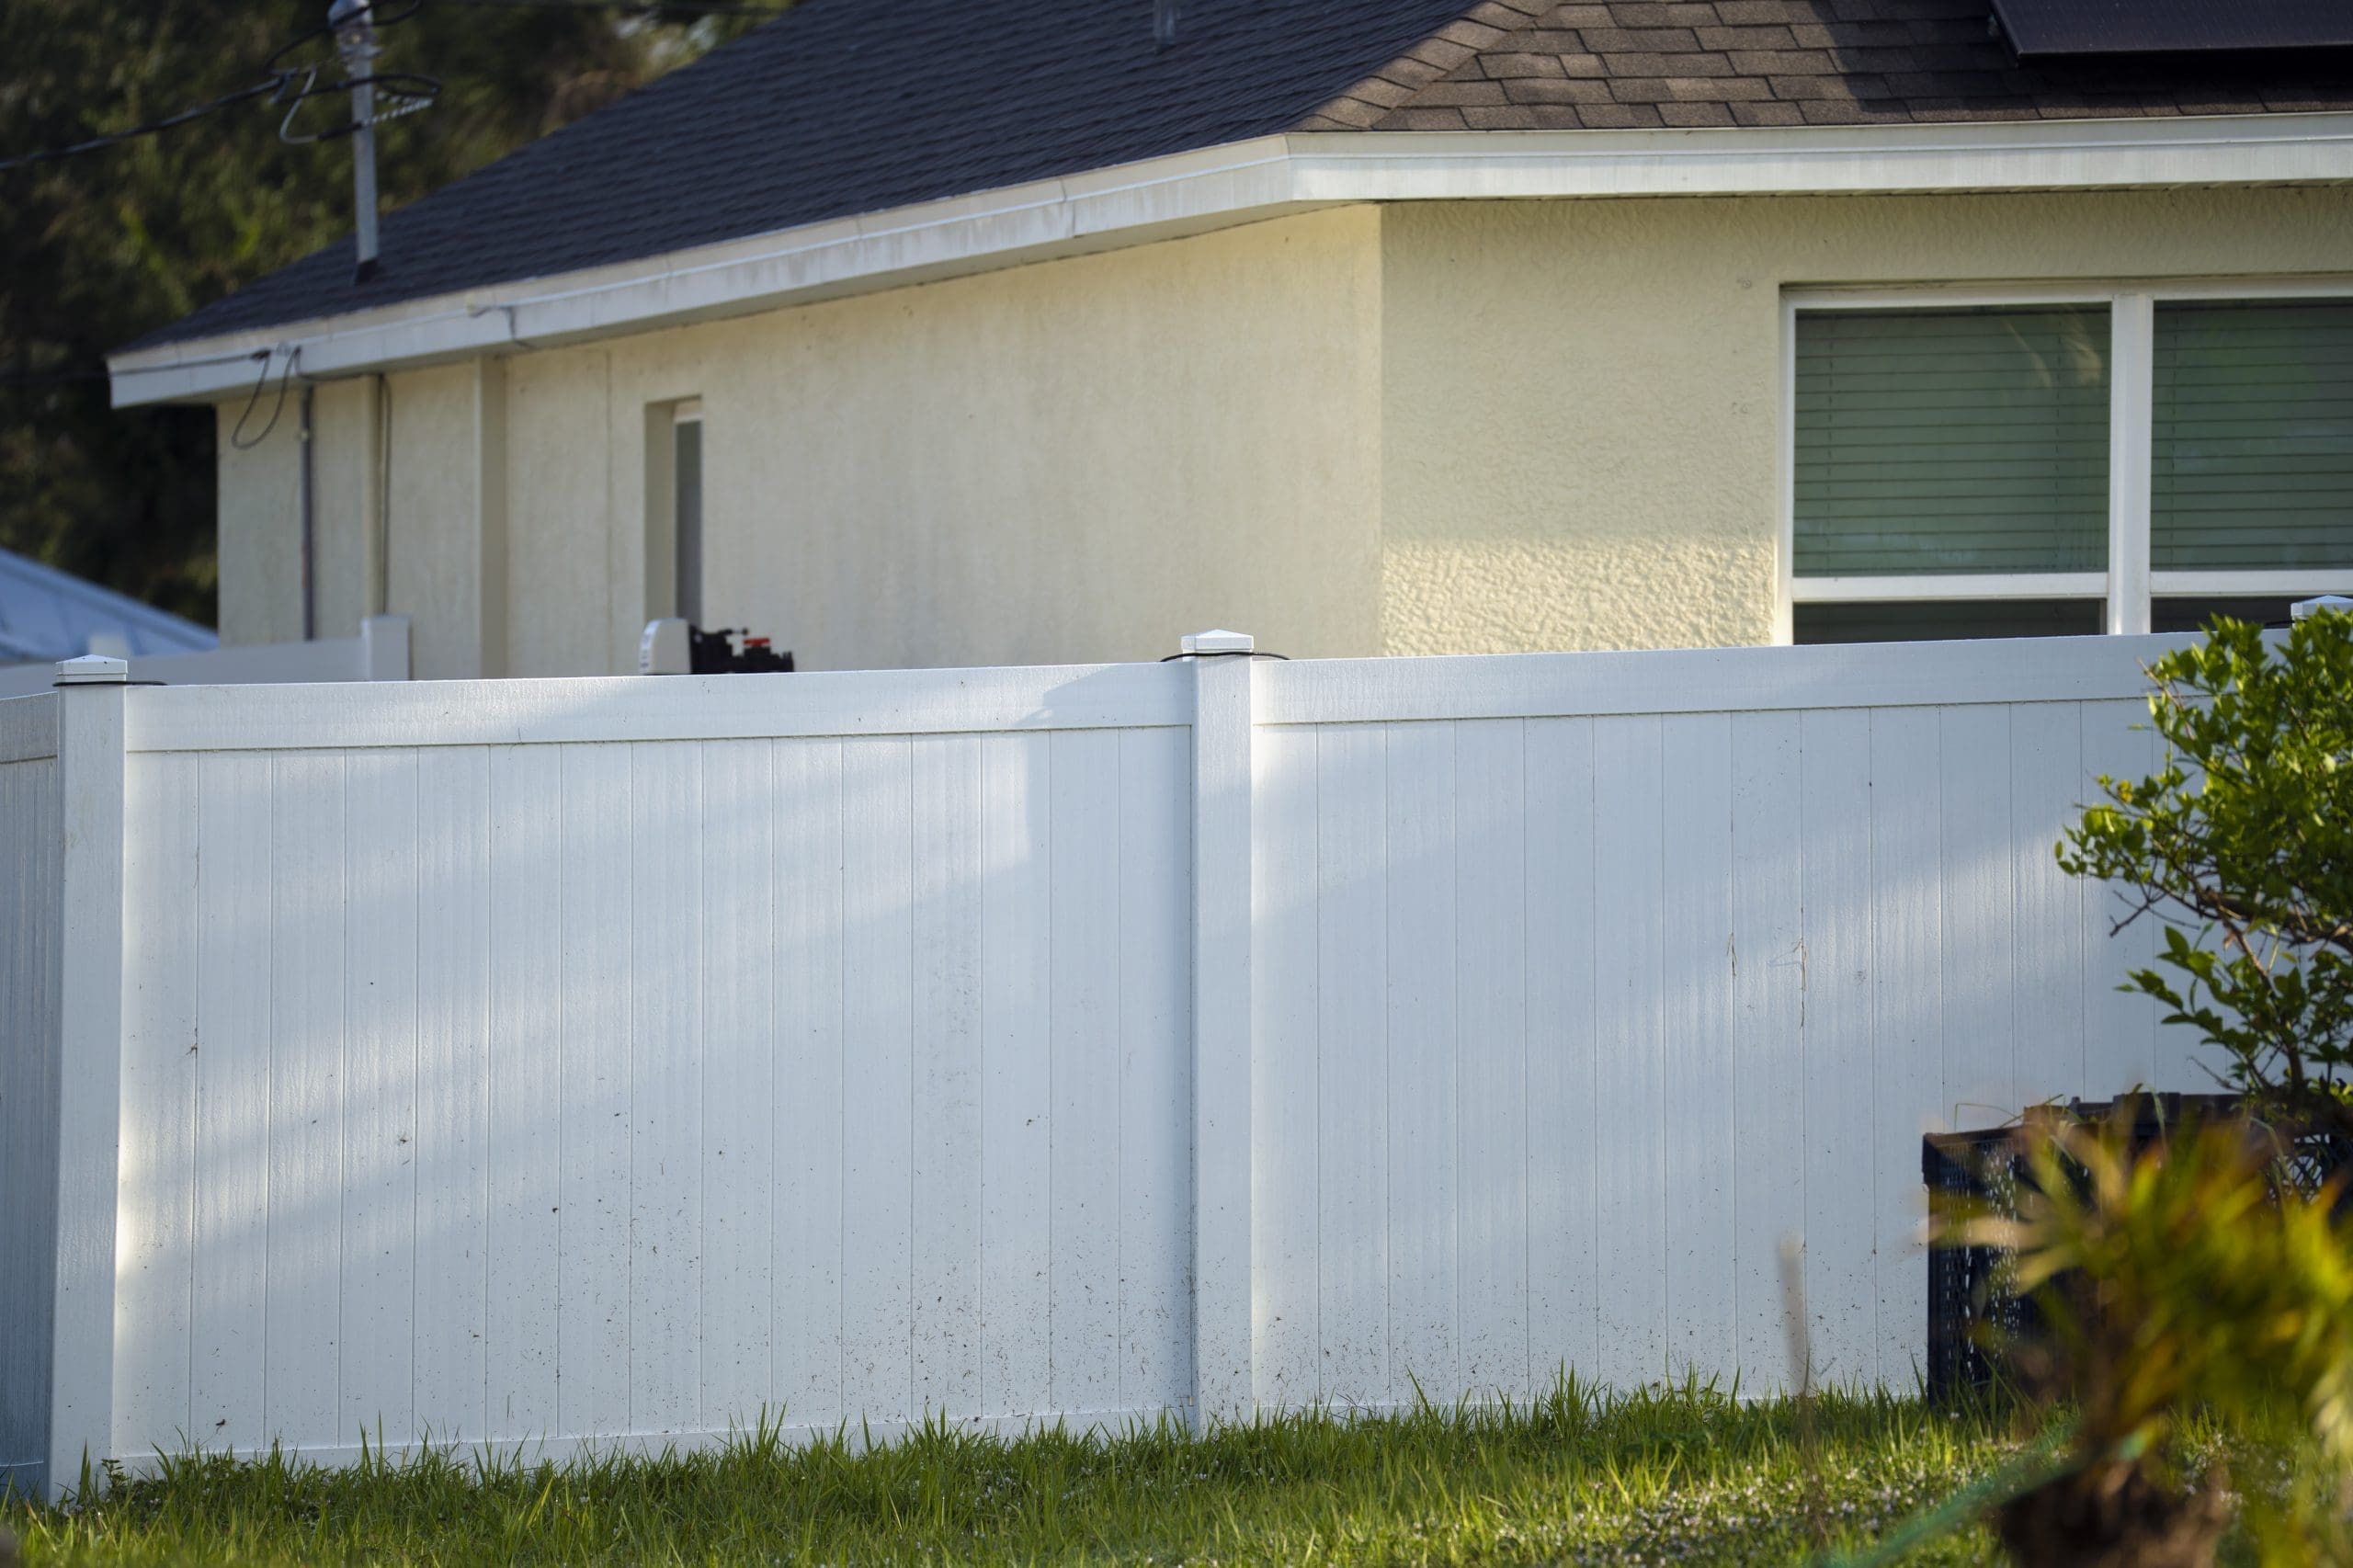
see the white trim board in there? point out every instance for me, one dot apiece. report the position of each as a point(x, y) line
point(1945, 586)
point(1706, 680)
point(661, 708)
point(1242, 182)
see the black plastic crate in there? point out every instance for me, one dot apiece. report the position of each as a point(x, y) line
point(1972, 1307)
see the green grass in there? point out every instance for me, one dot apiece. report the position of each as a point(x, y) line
point(1685, 1475)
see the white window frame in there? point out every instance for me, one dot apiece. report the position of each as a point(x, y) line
point(2128, 587)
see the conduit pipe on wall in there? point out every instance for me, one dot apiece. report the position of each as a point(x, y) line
point(309, 511)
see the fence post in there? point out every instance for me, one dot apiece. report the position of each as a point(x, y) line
point(89, 1064)
point(1225, 1386)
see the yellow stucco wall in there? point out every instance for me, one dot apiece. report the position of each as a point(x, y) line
point(1580, 411)
point(1072, 461)
point(1432, 427)
point(260, 500)
point(433, 517)
point(1076, 461)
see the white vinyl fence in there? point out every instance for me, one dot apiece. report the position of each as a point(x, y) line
point(618, 1060)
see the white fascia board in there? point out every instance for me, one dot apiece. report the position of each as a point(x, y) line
point(1101, 209)
point(1242, 182)
point(1825, 160)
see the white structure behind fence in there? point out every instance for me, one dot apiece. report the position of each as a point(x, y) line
point(380, 652)
point(580, 1061)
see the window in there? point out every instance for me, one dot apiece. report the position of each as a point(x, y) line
point(2252, 435)
point(686, 468)
point(674, 532)
point(2038, 465)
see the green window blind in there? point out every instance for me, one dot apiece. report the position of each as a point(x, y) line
point(1953, 440)
point(2253, 435)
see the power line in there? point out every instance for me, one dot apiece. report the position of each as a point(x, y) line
point(274, 84)
point(413, 91)
point(152, 128)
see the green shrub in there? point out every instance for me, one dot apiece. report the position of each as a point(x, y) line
point(2176, 1281)
point(2242, 843)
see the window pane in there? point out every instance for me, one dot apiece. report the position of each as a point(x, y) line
point(1946, 620)
point(2254, 437)
point(2191, 614)
point(1939, 441)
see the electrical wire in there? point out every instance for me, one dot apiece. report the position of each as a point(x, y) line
point(375, 12)
point(410, 91)
point(152, 128)
point(285, 377)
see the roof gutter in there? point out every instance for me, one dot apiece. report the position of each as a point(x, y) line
point(1244, 182)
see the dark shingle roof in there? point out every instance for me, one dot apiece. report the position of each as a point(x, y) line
point(1614, 64)
point(841, 107)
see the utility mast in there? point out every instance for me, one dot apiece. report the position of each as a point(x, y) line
point(355, 38)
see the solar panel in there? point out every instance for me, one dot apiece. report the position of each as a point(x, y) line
point(2045, 28)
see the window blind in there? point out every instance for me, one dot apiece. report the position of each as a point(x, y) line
point(2253, 435)
point(1951, 440)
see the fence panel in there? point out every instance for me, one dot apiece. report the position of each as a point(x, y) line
point(613, 1089)
point(1660, 983)
point(30, 894)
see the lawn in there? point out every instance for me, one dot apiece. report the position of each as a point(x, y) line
point(1683, 1476)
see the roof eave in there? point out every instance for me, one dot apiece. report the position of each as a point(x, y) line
point(1242, 182)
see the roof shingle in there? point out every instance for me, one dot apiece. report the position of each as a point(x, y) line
point(843, 107)
point(818, 115)
point(1834, 61)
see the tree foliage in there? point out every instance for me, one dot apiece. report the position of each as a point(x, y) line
point(98, 249)
point(2242, 845)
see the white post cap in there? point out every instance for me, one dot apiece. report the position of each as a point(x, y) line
point(2302, 608)
point(1219, 642)
point(93, 669)
point(666, 649)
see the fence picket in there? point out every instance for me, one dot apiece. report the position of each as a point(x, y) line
point(1630, 1100)
point(1564, 1251)
point(1768, 976)
point(1840, 1023)
point(1494, 1121)
point(1423, 1183)
point(451, 1172)
point(525, 1100)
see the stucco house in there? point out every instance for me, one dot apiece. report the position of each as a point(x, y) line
point(1026, 330)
